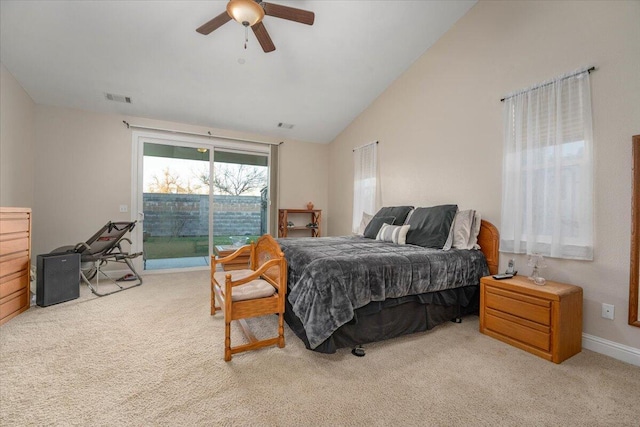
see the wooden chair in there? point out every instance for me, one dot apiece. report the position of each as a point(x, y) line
point(257, 291)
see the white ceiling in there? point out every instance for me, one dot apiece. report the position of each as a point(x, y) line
point(320, 77)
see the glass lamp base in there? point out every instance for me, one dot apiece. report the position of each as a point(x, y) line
point(536, 278)
point(540, 281)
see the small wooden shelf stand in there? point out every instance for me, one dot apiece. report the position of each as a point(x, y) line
point(283, 219)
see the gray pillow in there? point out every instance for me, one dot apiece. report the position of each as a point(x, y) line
point(375, 224)
point(398, 212)
point(430, 226)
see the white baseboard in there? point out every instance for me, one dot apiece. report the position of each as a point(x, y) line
point(612, 349)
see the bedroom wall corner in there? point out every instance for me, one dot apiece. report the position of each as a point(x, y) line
point(17, 140)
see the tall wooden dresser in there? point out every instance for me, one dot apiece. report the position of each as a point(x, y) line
point(15, 256)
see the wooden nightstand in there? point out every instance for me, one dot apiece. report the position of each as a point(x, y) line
point(543, 320)
point(242, 261)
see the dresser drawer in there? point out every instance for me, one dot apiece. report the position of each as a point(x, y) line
point(14, 225)
point(516, 331)
point(16, 242)
point(14, 263)
point(531, 308)
point(13, 283)
point(15, 303)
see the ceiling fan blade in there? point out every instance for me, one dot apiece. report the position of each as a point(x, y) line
point(290, 13)
point(263, 37)
point(214, 24)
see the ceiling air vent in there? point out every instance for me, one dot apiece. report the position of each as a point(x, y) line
point(118, 98)
point(285, 125)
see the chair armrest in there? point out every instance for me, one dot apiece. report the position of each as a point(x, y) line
point(81, 247)
point(234, 255)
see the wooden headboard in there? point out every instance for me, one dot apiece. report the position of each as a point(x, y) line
point(489, 241)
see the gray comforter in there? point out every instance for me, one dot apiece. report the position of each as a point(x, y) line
point(330, 277)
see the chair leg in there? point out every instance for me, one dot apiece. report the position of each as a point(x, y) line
point(213, 301)
point(281, 330)
point(214, 298)
point(227, 341)
point(87, 282)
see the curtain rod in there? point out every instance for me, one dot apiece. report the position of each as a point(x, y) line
point(208, 134)
point(588, 70)
point(362, 146)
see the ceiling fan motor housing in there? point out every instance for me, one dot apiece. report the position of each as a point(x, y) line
point(246, 12)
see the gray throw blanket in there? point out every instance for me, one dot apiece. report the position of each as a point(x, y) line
point(330, 277)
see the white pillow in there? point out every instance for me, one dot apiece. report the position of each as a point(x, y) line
point(461, 230)
point(393, 233)
point(366, 218)
point(475, 230)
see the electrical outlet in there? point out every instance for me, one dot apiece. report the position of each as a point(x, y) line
point(607, 311)
point(124, 208)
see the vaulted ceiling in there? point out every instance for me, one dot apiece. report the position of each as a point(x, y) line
point(319, 78)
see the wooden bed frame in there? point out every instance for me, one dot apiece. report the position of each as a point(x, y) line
point(489, 241)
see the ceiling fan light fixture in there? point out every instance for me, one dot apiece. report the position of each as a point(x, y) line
point(246, 12)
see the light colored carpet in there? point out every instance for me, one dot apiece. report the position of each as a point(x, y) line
point(152, 355)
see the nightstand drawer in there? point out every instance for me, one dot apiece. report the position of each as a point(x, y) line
point(527, 307)
point(526, 335)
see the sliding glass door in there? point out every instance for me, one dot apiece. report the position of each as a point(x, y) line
point(240, 197)
point(195, 198)
point(175, 206)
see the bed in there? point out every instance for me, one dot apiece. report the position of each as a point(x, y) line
point(348, 291)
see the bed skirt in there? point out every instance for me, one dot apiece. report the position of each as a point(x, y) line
point(378, 321)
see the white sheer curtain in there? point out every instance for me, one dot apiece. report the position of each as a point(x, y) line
point(365, 161)
point(547, 194)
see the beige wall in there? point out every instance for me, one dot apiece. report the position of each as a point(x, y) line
point(440, 128)
point(83, 172)
point(74, 167)
point(17, 138)
point(304, 178)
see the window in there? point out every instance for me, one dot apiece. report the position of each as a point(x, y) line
point(364, 182)
point(547, 183)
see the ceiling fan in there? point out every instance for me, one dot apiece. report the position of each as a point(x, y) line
point(250, 13)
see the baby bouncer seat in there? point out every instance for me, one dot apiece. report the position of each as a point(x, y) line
point(103, 247)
